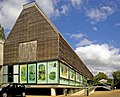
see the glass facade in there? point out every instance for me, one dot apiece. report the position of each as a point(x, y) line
point(51, 72)
point(41, 73)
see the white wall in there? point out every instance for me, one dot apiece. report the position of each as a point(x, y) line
point(1, 60)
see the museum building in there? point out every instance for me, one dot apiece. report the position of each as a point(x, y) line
point(36, 54)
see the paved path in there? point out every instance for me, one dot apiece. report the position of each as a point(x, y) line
point(113, 93)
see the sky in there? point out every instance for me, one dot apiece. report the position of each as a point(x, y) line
point(91, 27)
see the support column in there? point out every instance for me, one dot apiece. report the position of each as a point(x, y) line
point(53, 92)
point(65, 92)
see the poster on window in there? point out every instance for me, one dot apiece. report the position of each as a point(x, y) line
point(72, 74)
point(31, 73)
point(41, 72)
point(63, 71)
point(53, 72)
point(23, 73)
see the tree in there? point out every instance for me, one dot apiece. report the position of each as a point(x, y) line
point(99, 76)
point(2, 35)
point(116, 76)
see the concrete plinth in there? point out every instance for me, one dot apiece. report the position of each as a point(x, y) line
point(53, 92)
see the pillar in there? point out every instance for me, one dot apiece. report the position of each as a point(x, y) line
point(53, 92)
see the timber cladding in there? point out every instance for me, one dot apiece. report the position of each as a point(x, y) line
point(31, 26)
point(35, 38)
point(67, 54)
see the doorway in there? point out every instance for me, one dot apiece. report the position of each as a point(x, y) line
point(10, 73)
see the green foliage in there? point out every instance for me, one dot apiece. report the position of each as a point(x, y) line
point(116, 76)
point(99, 76)
point(110, 81)
point(2, 35)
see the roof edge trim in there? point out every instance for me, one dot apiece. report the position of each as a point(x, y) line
point(29, 5)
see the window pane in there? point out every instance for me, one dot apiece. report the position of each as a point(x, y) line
point(23, 73)
point(5, 69)
point(16, 69)
point(42, 73)
point(31, 73)
point(15, 78)
point(53, 72)
point(63, 71)
point(72, 74)
point(5, 78)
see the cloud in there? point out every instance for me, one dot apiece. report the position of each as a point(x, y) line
point(99, 14)
point(76, 3)
point(9, 11)
point(66, 33)
point(95, 28)
point(117, 24)
point(84, 42)
point(78, 36)
point(100, 58)
point(49, 7)
point(64, 9)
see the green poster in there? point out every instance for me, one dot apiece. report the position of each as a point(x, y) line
point(31, 73)
point(63, 71)
point(23, 73)
point(53, 72)
point(41, 73)
point(72, 74)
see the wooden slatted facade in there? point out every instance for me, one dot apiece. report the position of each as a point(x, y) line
point(33, 26)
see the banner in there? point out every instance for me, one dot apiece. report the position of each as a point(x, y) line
point(72, 74)
point(31, 73)
point(63, 71)
point(41, 73)
point(53, 72)
point(23, 73)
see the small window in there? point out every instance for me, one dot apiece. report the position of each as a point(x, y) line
point(15, 78)
point(5, 78)
point(5, 69)
point(16, 69)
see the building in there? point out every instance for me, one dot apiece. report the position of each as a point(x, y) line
point(1, 52)
point(36, 54)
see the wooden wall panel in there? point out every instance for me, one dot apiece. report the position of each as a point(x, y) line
point(31, 26)
point(68, 55)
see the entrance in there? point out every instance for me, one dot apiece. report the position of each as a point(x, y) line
point(10, 73)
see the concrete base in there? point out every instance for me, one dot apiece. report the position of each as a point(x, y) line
point(53, 92)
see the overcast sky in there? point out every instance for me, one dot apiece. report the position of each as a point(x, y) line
point(92, 28)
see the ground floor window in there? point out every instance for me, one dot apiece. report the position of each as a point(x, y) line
point(49, 72)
